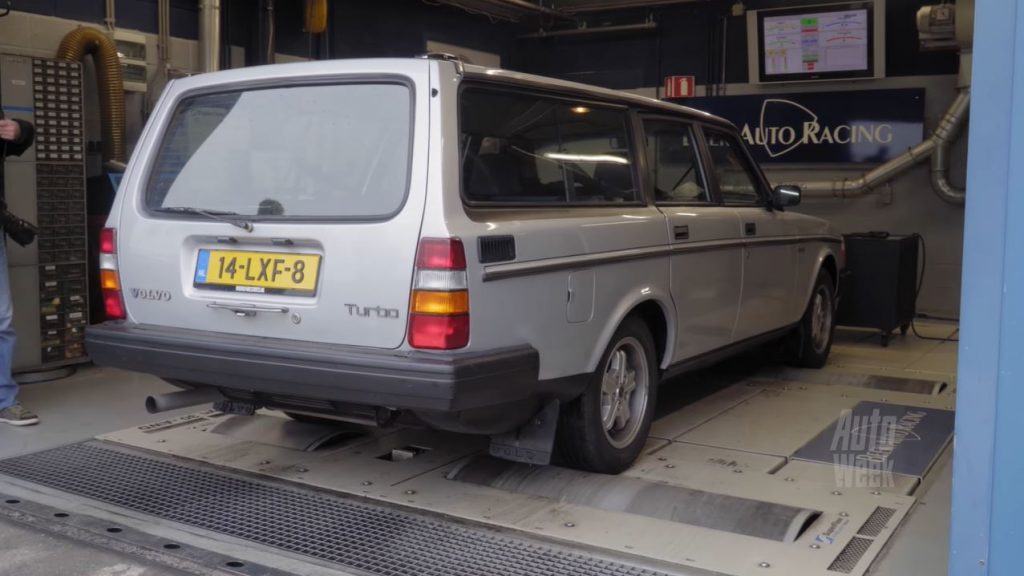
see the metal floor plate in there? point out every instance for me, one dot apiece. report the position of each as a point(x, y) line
point(370, 538)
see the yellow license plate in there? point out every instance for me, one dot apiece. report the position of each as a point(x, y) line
point(258, 272)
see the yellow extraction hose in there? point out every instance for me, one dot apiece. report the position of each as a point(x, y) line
point(75, 46)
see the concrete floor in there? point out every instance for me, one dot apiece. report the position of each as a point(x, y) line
point(93, 401)
point(27, 552)
point(99, 400)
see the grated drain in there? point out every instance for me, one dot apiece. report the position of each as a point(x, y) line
point(372, 538)
point(875, 523)
point(851, 555)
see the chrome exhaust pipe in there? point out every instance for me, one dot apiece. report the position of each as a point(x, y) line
point(181, 399)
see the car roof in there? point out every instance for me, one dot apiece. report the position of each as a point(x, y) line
point(471, 71)
point(531, 80)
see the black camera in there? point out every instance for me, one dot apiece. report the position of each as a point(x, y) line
point(21, 231)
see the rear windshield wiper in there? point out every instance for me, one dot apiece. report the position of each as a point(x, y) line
point(219, 215)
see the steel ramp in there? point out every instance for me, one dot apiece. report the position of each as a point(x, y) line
point(383, 503)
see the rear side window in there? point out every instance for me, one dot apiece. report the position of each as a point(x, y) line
point(673, 164)
point(737, 180)
point(300, 151)
point(518, 148)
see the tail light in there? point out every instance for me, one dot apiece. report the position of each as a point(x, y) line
point(439, 311)
point(110, 283)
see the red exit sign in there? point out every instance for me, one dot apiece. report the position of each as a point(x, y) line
point(680, 86)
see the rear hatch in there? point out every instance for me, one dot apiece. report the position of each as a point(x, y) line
point(288, 208)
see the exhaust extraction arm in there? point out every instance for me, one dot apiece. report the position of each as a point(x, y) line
point(75, 46)
point(935, 146)
point(945, 133)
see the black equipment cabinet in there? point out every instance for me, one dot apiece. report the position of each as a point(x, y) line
point(879, 288)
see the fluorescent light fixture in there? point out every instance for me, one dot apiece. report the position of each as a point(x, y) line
point(597, 158)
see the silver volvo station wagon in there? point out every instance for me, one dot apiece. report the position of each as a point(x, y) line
point(480, 250)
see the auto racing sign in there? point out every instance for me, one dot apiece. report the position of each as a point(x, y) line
point(861, 126)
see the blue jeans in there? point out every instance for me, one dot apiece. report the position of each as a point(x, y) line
point(8, 388)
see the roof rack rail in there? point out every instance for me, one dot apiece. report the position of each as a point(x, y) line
point(447, 57)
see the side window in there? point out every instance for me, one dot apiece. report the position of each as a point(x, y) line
point(520, 148)
point(672, 162)
point(737, 181)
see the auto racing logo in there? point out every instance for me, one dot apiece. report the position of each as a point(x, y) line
point(785, 125)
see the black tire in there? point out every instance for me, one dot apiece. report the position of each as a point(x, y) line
point(584, 439)
point(810, 344)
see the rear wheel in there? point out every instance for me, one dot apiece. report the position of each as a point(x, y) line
point(605, 429)
point(812, 340)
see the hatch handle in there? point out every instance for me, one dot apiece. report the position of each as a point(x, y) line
point(246, 310)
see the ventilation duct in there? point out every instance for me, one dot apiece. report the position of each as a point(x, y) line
point(88, 41)
point(935, 147)
point(209, 35)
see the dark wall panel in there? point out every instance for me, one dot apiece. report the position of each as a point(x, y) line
point(85, 10)
point(689, 40)
point(132, 14)
point(369, 28)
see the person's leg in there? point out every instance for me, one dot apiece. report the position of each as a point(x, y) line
point(8, 388)
point(10, 411)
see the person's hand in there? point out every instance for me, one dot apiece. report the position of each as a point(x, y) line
point(10, 130)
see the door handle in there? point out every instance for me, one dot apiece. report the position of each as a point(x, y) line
point(681, 232)
point(750, 229)
point(246, 310)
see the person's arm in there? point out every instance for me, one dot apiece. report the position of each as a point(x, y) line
point(23, 135)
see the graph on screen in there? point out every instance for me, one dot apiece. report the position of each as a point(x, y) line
point(819, 42)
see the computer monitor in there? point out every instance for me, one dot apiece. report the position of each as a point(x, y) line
point(821, 42)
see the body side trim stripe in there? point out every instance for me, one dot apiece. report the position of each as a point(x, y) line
point(514, 269)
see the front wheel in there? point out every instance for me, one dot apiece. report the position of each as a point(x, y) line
point(605, 429)
point(812, 340)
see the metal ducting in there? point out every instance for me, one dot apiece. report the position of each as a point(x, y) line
point(88, 41)
point(209, 35)
point(581, 30)
point(944, 135)
point(581, 6)
point(509, 10)
point(935, 147)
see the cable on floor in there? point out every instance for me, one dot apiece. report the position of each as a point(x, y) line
point(920, 284)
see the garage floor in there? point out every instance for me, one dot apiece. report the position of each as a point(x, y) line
point(695, 427)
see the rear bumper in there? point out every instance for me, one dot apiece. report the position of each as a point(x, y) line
point(442, 382)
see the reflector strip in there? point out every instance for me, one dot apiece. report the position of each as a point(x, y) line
point(431, 332)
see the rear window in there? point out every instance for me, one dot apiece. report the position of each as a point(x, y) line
point(300, 151)
point(518, 148)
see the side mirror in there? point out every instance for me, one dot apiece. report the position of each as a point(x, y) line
point(785, 196)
